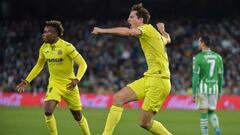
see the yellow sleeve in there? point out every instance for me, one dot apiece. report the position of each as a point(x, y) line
point(143, 31)
point(37, 68)
point(164, 40)
point(71, 51)
point(82, 66)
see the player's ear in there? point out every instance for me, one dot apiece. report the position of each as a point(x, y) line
point(141, 19)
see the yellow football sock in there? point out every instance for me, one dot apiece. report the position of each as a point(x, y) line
point(84, 126)
point(158, 129)
point(51, 124)
point(113, 118)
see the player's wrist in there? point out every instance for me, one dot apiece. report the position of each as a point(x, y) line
point(77, 80)
point(25, 82)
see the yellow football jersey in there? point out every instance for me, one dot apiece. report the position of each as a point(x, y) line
point(153, 46)
point(59, 57)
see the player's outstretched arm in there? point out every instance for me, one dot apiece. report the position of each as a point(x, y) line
point(123, 31)
point(161, 29)
point(34, 72)
point(82, 67)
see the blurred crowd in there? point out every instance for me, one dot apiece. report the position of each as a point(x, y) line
point(115, 61)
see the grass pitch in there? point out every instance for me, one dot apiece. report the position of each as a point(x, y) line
point(30, 121)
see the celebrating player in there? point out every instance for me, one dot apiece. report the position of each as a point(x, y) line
point(155, 85)
point(60, 56)
point(207, 84)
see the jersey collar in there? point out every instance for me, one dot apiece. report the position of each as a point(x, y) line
point(56, 43)
point(208, 50)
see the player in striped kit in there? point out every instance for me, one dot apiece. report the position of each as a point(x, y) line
point(207, 84)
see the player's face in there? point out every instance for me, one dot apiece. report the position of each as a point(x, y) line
point(49, 34)
point(133, 20)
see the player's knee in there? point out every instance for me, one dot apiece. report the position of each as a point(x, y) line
point(77, 117)
point(210, 112)
point(203, 110)
point(117, 100)
point(48, 113)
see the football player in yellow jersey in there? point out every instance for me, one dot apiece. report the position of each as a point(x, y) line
point(154, 87)
point(60, 57)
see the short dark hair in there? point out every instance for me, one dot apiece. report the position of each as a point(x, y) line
point(206, 40)
point(141, 12)
point(57, 25)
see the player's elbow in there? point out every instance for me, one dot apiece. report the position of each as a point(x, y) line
point(169, 40)
point(127, 33)
point(82, 66)
point(85, 67)
point(131, 32)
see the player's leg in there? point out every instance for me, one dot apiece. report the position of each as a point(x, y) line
point(203, 121)
point(72, 98)
point(202, 103)
point(81, 120)
point(214, 121)
point(212, 115)
point(51, 100)
point(122, 97)
point(153, 126)
point(157, 90)
point(49, 107)
point(132, 92)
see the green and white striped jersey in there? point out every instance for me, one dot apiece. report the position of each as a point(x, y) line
point(207, 67)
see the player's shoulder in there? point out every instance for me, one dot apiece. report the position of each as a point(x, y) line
point(146, 27)
point(65, 43)
point(217, 54)
point(44, 46)
point(198, 55)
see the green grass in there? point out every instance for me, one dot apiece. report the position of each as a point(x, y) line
point(30, 121)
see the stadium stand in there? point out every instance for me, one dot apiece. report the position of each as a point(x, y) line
point(114, 61)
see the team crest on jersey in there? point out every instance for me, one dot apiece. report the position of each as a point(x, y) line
point(59, 52)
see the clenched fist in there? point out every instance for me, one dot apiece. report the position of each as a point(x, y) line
point(160, 27)
point(97, 30)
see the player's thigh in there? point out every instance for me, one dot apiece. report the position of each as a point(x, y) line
point(212, 101)
point(124, 96)
point(157, 89)
point(53, 93)
point(202, 101)
point(72, 98)
point(138, 87)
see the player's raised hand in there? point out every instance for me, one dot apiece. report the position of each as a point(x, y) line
point(72, 84)
point(97, 30)
point(160, 27)
point(22, 86)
